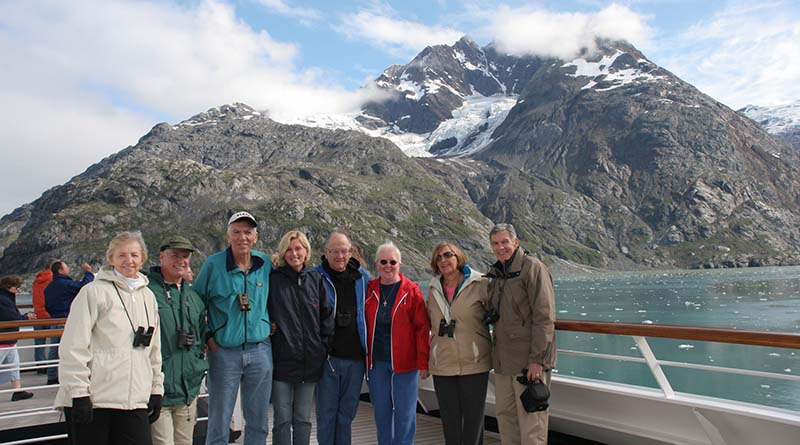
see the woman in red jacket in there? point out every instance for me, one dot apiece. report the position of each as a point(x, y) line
point(398, 333)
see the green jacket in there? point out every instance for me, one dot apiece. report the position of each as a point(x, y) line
point(183, 368)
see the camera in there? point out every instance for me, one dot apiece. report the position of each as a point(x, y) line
point(244, 302)
point(536, 395)
point(447, 329)
point(185, 340)
point(490, 316)
point(142, 338)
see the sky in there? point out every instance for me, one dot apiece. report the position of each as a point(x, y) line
point(82, 79)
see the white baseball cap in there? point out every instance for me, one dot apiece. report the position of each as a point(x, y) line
point(242, 215)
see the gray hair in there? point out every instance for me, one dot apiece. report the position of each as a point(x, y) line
point(386, 246)
point(503, 227)
point(123, 238)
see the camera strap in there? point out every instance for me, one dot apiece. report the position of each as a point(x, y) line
point(146, 312)
point(181, 321)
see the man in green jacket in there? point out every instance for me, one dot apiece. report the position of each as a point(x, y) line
point(183, 327)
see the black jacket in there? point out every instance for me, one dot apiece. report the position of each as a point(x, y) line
point(9, 312)
point(299, 306)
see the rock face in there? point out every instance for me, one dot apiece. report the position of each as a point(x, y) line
point(607, 160)
point(188, 178)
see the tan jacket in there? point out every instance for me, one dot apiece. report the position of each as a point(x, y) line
point(523, 295)
point(469, 351)
point(97, 354)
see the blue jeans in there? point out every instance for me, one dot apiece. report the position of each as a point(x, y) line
point(52, 371)
point(227, 367)
point(394, 399)
point(40, 354)
point(338, 394)
point(291, 406)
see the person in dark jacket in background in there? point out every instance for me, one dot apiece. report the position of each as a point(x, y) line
point(40, 283)
point(339, 387)
point(9, 287)
point(183, 328)
point(303, 317)
point(58, 296)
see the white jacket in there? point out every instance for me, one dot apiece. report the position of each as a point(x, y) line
point(97, 354)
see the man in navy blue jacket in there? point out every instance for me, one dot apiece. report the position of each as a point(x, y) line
point(58, 296)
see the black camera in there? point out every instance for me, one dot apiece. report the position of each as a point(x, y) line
point(244, 302)
point(185, 339)
point(447, 329)
point(536, 395)
point(490, 316)
point(142, 338)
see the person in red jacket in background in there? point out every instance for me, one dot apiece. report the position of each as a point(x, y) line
point(41, 281)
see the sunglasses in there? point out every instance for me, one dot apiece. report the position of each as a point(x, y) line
point(392, 262)
point(446, 255)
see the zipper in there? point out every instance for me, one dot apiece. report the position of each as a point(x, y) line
point(244, 345)
point(374, 323)
point(391, 334)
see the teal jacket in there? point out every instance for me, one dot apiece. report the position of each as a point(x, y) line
point(183, 368)
point(219, 283)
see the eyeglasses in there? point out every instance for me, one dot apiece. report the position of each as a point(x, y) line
point(392, 262)
point(447, 255)
point(339, 252)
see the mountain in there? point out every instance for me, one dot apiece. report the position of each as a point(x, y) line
point(606, 160)
point(783, 121)
point(188, 178)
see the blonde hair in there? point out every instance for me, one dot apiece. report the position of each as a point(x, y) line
point(125, 238)
point(283, 246)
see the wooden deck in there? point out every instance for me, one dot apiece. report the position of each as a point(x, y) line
point(429, 428)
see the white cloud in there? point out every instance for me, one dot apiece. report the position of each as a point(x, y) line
point(526, 31)
point(307, 16)
point(745, 54)
point(399, 37)
point(82, 79)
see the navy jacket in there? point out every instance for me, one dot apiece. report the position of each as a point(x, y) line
point(9, 312)
point(59, 294)
point(299, 306)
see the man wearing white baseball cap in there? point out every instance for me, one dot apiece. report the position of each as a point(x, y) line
point(234, 285)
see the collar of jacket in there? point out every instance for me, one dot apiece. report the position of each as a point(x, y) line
point(107, 273)
point(353, 269)
point(504, 267)
point(230, 263)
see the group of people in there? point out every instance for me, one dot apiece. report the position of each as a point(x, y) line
point(136, 345)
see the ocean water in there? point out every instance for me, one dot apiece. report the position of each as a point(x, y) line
point(760, 299)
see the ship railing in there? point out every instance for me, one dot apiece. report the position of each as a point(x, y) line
point(638, 332)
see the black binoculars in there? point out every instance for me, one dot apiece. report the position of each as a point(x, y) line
point(447, 329)
point(490, 316)
point(142, 338)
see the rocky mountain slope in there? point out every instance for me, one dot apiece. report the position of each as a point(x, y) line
point(607, 160)
point(189, 177)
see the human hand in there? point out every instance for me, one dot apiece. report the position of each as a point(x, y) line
point(86, 267)
point(272, 328)
point(154, 407)
point(31, 316)
point(535, 371)
point(424, 374)
point(212, 344)
point(82, 410)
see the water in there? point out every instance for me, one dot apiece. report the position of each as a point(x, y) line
point(761, 299)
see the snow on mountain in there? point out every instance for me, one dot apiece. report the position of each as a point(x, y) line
point(780, 119)
point(468, 131)
point(609, 74)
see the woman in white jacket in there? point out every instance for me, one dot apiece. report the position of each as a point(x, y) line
point(111, 380)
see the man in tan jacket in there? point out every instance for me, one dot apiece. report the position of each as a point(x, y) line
point(523, 302)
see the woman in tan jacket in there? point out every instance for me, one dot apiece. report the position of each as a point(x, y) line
point(461, 354)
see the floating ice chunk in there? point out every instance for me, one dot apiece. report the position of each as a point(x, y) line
point(685, 346)
point(765, 386)
point(774, 354)
point(647, 321)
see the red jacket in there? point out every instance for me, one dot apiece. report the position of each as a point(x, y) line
point(41, 281)
point(410, 326)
